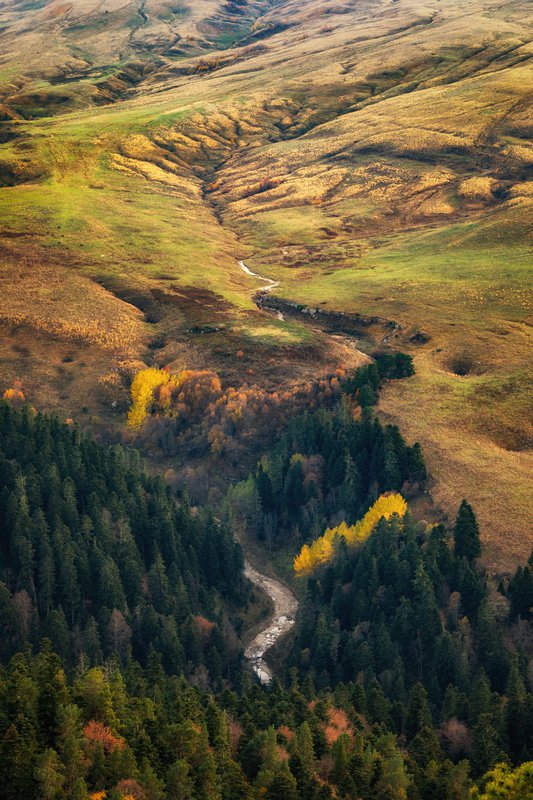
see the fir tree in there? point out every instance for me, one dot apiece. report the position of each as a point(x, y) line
point(466, 533)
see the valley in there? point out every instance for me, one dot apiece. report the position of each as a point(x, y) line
point(365, 158)
point(265, 399)
point(266, 419)
point(132, 618)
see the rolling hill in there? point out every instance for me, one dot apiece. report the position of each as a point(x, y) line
point(372, 157)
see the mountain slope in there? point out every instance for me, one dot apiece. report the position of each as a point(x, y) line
point(372, 157)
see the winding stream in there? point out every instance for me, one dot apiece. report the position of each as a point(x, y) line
point(285, 603)
point(271, 284)
point(284, 617)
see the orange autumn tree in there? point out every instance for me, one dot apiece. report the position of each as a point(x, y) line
point(15, 395)
point(97, 733)
point(321, 550)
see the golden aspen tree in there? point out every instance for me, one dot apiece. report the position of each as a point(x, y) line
point(303, 563)
point(142, 390)
point(321, 550)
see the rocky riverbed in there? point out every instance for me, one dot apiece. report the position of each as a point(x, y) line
point(282, 620)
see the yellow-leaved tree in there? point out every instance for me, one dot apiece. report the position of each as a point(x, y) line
point(142, 390)
point(506, 783)
point(321, 550)
point(385, 506)
point(303, 563)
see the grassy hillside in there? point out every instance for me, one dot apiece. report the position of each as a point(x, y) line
point(372, 157)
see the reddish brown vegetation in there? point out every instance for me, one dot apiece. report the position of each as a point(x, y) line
point(205, 626)
point(130, 788)
point(192, 411)
point(338, 724)
point(286, 732)
point(456, 737)
point(263, 186)
point(97, 733)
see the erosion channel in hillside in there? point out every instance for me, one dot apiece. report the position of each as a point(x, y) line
point(338, 325)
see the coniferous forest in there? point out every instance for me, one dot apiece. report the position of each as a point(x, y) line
point(407, 676)
point(97, 557)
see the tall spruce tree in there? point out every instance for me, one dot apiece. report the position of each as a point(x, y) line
point(466, 533)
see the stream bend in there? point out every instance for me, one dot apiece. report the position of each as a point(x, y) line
point(284, 617)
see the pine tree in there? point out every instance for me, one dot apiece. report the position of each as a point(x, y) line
point(205, 772)
point(341, 763)
point(49, 775)
point(417, 471)
point(418, 713)
point(270, 759)
point(424, 747)
point(303, 745)
point(266, 492)
point(520, 592)
point(393, 779)
point(466, 533)
point(359, 698)
point(283, 785)
point(351, 487)
point(517, 713)
point(377, 704)
point(91, 639)
point(152, 785)
point(18, 760)
point(294, 491)
point(485, 750)
point(179, 785)
point(391, 476)
point(233, 781)
point(70, 745)
point(80, 790)
point(8, 623)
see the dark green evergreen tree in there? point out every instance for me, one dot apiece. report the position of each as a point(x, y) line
point(466, 533)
